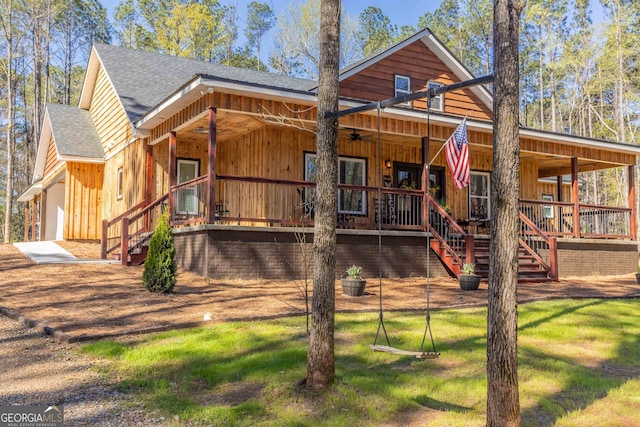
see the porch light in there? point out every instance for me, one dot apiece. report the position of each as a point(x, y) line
point(388, 164)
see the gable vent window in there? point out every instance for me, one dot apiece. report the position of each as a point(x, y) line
point(119, 183)
point(403, 87)
point(437, 102)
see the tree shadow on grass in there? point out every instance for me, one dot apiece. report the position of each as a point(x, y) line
point(583, 385)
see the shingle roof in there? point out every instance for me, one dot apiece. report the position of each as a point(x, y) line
point(74, 132)
point(144, 79)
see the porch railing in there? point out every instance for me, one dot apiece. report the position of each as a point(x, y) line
point(112, 231)
point(189, 201)
point(539, 245)
point(138, 228)
point(450, 241)
point(557, 219)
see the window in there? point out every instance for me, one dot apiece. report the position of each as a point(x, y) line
point(479, 191)
point(187, 202)
point(350, 171)
point(119, 183)
point(403, 87)
point(547, 211)
point(437, 102)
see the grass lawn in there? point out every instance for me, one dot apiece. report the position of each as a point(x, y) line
point(579, 365)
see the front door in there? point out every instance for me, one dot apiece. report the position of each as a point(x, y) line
point(187, 197)
point(408, 176)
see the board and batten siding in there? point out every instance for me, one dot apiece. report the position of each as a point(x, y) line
point(278, 153)
point(421, 65)
point(114, 131)
point(83, 197)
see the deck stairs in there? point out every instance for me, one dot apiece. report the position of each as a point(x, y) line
point(529, 269)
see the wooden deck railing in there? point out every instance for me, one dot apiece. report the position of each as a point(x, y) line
point(538, 244)
point(556, 219)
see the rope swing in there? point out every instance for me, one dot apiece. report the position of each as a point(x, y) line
point(422, 353)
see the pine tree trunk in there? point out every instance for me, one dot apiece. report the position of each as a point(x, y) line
point(10, 116)
point(503, 407)
point(321, 358)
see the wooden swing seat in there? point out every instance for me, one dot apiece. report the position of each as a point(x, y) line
point(417, 354)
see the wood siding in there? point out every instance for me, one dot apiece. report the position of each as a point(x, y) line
point(278, 153)
point(83, 197)
point(421, 65)
point(114, 131)
point(52, 158)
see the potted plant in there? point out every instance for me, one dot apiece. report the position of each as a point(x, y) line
point(353, 285)
point(468, 279)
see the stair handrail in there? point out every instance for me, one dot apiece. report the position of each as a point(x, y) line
point(104, 248)
point(468, 238)
point(552, 267)
point(127, 236)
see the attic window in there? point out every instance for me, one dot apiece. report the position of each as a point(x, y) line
point(119, 183)
point(437, 102)
point(403, 87)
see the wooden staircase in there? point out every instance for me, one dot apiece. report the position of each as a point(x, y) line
point(537, 260)
point(126, 237)
point(529, 269)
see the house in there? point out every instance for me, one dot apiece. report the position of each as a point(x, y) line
point(231, 154)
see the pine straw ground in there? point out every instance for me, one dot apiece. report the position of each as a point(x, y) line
point(88, 301)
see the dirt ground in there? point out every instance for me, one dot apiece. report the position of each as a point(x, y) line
point(88, 301)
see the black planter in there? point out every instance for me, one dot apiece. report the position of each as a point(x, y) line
point(469, 282)
point(638, 278)
point(353, 287)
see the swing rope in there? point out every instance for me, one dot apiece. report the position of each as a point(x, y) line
point(421, 354)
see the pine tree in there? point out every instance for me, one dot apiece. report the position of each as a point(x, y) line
point(160, 266)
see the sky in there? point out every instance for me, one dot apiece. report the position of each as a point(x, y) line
point(400, 12)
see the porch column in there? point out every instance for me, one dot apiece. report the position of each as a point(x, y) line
point(149, 175)
point(173, 165)
point(632, 200)
point(574, 197)
point(425, 182)
point(211, 176)
point(559, 188)
point(26, 221)
point(34, 218)
point(148, 195)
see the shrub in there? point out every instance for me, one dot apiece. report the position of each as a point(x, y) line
point(160, 266)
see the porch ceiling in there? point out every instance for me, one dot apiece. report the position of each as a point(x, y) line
point(229, 126)
point(232, 125)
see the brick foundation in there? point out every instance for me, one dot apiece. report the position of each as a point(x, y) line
point(274, 253)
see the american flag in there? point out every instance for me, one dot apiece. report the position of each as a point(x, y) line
point(458, 156)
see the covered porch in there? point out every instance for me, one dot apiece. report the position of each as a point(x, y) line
point(227, 170)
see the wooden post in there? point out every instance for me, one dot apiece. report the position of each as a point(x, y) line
point(173, 171)
point(553, 257)
point(425, 183)
point(148, 197)
point(559, 188)
point(211, 176)
point(34, 218)
point(26, 221)
point(632, 201)
point(104, 240)
point(574, 197)
point(469, 249)
point(124, 241)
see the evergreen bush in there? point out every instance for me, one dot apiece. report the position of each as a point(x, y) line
point(160, 266)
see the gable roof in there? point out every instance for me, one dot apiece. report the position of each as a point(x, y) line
point(437, 47)
point(142, 80)
point(74, 135)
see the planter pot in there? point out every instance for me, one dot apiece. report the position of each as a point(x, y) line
point(353, 287)
point(469, 282)
point(638, 278)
